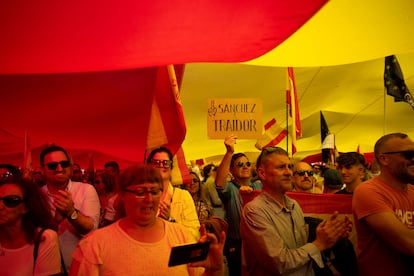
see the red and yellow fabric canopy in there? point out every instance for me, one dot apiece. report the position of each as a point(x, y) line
point(84, 74)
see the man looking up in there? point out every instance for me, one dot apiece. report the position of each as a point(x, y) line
point(273, 227)
point(352, 167)
point(383, 208)
point(75, 205)
point(239, 166)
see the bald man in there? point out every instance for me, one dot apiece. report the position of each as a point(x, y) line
point(303, 179)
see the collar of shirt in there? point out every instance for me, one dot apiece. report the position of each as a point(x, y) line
point(290, 204)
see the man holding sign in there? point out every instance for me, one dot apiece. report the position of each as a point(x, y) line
point(240, 167)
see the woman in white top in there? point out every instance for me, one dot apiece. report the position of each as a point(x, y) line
point(140, 242)
point(24, 212)
point(176, 204)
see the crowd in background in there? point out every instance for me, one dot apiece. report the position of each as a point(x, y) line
point(54, 212)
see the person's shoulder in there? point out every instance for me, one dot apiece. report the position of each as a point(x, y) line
point(102, 233)
point(371, 184)
point(179, 192)
point(84, 187)
point(257, 185)
point(50, 235)
point(179, 232)
point(342, 191)
point(257, 201)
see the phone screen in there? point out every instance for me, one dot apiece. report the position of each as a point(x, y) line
point(188, 253)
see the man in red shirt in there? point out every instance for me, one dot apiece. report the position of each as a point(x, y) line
point(383, 208)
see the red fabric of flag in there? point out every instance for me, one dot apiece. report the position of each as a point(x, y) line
point(167, 125)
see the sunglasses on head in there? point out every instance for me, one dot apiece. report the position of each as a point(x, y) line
point(53, 165)
point(162, 163)
point(408, 154)
point(241, 164)
point(11, 201)
point(302, 172)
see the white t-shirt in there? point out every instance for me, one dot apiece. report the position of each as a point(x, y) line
point(111, 251)
point(19, 261)
point(86, 200)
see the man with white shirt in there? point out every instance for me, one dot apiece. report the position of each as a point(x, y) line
point(75, 205)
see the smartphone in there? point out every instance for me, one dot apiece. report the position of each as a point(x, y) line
point(188, 253)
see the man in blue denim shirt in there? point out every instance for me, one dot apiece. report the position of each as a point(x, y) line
point(239, 166)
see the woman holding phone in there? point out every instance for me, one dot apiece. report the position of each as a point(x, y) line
point(140, 242)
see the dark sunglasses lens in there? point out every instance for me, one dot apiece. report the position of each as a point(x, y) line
point(241, 164)
point(64, 164)
point(302, 173)
point(166, 163)
point(408, 154)
point(54, 165)
point(12, 201)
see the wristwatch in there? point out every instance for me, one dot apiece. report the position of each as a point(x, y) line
point(74, 215)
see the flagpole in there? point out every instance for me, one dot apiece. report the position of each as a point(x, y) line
point(293, 108)
point(287, 128)
point(27, 156)
point(287, 111)
point(385, 110)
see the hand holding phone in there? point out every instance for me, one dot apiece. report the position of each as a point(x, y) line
point(188, 253)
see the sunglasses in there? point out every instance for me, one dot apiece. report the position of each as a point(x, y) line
point(241, 164)
point(408, 154)
point(302, 172)
point(11, 201)
point(140, 193)
point(53, 165)
point(162, 163)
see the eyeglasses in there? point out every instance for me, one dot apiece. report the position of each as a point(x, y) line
point(302, 172)
point(53, 165)
point(408, 154)
point(162, 163)
point(142, 192)
point(11, 201)
point(241, 164)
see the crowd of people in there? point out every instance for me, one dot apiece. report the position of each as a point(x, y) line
point(65, 220)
